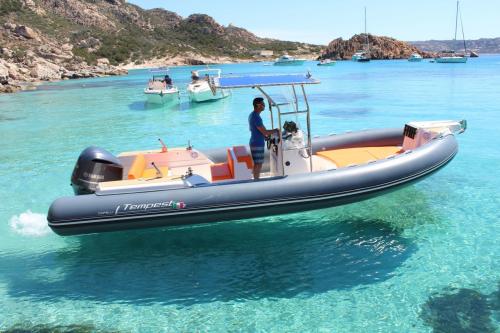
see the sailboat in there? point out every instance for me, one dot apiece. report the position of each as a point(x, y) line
point(363, 55)
point(451, 57)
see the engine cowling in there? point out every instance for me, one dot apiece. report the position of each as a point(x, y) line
point(95, 165)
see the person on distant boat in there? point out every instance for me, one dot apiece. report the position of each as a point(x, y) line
point(168, 81)
point(194, 76)
point(258, 134)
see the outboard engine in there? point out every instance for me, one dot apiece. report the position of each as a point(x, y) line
point(95, 165)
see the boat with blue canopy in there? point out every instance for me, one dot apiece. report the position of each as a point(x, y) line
point(181, 186)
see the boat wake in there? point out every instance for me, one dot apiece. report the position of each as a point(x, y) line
point(30, 224)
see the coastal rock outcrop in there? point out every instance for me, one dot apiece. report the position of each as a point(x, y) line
point(380, 48)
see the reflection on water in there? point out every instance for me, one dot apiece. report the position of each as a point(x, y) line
point(232, 261)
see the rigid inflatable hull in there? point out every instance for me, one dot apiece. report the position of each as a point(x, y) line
point(248, 199)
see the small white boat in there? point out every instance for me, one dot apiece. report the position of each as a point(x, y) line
point(161, 69)
point(415, 57)
point(159, 91)
point(201, 90)
point(286, 60)
point(327, 62)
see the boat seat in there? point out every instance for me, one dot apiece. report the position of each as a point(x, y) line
point(137, 167)
point(360, 155)
point(235, 168)
point(220, 171)
point(243, 156)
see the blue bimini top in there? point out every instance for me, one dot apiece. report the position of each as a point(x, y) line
point(247, 81)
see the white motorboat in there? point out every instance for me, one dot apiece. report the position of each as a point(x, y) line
point(200, 89)
point(160, 90)
point(415, 57)
point(287, 60)
point(327, 62)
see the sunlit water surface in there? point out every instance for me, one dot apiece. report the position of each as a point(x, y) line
point(422, 259)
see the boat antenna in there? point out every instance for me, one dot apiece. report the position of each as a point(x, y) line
point(163, 145)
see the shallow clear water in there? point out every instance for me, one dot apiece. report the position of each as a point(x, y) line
point(422, 259)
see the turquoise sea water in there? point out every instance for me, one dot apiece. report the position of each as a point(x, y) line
point(422, 259)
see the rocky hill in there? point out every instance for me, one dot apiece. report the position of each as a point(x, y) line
point(380, 48)
point(54, 39)
point(483, 45)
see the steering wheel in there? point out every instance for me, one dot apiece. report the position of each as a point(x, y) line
point(268, 142)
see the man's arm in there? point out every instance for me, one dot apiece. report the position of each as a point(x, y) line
point(265, 132)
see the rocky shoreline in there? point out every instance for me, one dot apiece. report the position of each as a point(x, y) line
point(42, 59)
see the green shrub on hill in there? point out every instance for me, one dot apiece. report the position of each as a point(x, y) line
point(9, 6)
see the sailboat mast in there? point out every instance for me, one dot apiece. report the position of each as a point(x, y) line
point(463, 34)
point(456, 27)
point(366, 35)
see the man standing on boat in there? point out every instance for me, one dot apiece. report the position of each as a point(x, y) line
point(258, 134)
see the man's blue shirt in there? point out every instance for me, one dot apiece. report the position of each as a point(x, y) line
point(254, 121)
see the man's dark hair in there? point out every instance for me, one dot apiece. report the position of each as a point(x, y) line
point(257, 100)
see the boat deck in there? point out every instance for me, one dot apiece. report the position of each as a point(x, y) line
point(174, 163)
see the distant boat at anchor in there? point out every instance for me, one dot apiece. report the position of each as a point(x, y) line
point(363, 55)
point(451, 56)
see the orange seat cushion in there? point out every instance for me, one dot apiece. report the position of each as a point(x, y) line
point(220, 171)
point(361, 155)
point(383, 152)
point(137, 167)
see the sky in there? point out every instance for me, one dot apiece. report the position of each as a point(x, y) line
point(319, 22)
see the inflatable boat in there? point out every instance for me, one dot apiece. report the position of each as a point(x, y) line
point(180, 186)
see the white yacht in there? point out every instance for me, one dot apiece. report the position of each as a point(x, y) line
point(361, 56)
point(327, 62)
point(415, 57)
point(286, 60)
point(200, 88)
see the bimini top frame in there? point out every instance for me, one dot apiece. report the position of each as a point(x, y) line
point(261, 81)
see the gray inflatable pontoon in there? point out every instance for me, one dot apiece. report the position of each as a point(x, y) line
point(193, 199)
point(181, 186)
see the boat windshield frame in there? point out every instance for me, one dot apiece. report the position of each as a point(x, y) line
point(264, 81)
point(215, 71)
